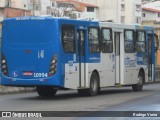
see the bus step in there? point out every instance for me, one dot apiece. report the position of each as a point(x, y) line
point(118, 85)
point(81, 88)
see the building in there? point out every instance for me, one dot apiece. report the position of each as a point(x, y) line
point(133, 12)
point(13, 8)
point(147, 1)
point(21, 4)
point(119, 11)
point(73, 9)
point(153, 5)
point(39, 7)
point(35, 6)
point(44, 4)
point(8, 12)
point(151, 17)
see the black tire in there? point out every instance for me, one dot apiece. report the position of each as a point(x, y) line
point(138, 87)
point(82, 92)
point(94, 85)
point(46, 91)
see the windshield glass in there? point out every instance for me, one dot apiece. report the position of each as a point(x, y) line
point(20, 32)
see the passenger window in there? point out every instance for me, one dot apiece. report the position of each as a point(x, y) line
point(68, 38)
point(93, 40)
point(129, 44)
point(140, 43)
point(107, 43)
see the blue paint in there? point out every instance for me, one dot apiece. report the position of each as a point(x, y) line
point(29, 44)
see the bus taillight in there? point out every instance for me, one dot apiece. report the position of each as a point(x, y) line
point(4, 65)
point(53, 66)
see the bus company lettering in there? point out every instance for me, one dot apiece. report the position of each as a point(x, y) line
point(139, 58)
point(41, 54)
point(30, 18)
point(129, 62)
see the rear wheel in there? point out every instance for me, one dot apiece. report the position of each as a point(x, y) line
point(94, 85)
point(82, 92)
point(138, 87)
point(46, 91)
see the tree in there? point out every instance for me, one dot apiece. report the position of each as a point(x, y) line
point(62, 9)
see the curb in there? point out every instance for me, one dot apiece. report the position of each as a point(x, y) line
point(12, 90)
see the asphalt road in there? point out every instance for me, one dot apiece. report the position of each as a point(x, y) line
point(109, 99)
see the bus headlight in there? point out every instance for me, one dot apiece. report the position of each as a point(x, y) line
point(4, 65)
point(53, 66)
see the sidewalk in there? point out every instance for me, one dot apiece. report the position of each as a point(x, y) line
point(11, 90)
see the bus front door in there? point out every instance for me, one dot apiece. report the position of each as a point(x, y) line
point(81, 57)
point(117, 56)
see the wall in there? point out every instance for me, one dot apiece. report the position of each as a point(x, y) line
point(12, 12)
point(87, 15)
point(111, 10)
point(2, 3)
point(149, 16)
point(108, 9)
point(44, 4)
point(22, 4)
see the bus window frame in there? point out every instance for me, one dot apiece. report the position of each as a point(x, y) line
point(134, 40)
point(74, 39)
point(111, 39)
point(99, 39)
point(141, 41)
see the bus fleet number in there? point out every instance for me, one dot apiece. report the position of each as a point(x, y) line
point(40, 75)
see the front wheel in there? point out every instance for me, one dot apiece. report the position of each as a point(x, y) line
point(46, 91)
point(138, 87)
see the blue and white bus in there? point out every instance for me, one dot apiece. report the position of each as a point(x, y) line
point(56, 53)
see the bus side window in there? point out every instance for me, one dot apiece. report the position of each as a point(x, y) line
point(107, 43)
point(68, 38)
point(94, 40)
point(129, 42)
point(140, 43)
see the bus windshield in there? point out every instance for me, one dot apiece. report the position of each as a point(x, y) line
point(30, 32)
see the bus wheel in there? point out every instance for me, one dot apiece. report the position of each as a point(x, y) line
point(46, 91)
point(94, 85)
point(138, 87)
point(82, 92)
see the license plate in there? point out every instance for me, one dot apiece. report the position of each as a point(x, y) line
point(27, 73)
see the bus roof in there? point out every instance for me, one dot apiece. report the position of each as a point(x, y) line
point(109, 24)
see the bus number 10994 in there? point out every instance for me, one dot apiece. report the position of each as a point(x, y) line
point(40, 74)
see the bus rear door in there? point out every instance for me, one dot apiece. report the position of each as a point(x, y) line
point(151, 58)
point(118, 53)
point(81, 40)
